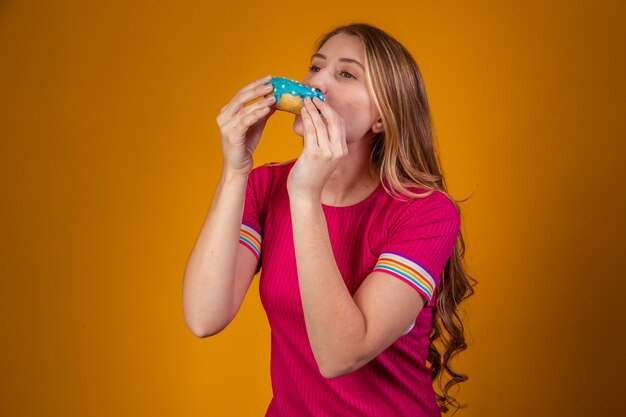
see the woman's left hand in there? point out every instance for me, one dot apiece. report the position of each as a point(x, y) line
point(324, 148)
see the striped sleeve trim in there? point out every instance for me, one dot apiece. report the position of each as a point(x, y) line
point(251, 239)
point(407, 270)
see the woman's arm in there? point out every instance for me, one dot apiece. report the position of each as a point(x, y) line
point(334, 323)
point(212, 287)
point(208, 286)
point(345, 332)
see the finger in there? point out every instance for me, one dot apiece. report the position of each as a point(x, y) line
point(242, 126)
point(246, 94)
point(253, 117)
point(244, 112)
point(266, 102)
point(310, 136)
point(333, 120)
point(320, 128)
point(226, 118)
point(256, 82)
point(242, 98)
point(324, 109)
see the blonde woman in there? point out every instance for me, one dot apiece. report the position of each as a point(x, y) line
point(358, 241)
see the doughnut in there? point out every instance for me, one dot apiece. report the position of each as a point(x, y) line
point(290, 94)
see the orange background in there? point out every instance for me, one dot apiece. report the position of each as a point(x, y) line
point(111, 155)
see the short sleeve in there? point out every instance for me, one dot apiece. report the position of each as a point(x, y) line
point(251, 231)
point(420, 241)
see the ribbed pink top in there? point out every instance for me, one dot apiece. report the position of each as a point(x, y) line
point(409, 240)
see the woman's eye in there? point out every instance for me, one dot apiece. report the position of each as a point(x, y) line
point(316, 68)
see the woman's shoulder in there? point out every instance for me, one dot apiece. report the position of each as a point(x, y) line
point(274, 169)
point(416, 194)
point(283, 163)
point(275, 166)
point(267, 175)
point(423, 201)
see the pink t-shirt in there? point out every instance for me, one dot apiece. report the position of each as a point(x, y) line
point(409, 240)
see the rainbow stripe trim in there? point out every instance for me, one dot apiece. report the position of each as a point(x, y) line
point(251, 239)
point(407, 270)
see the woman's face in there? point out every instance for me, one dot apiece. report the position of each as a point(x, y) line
point(337, 70)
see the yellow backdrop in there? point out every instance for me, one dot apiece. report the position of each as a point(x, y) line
point(111, 155)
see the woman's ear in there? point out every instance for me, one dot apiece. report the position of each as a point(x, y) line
point(378, 126)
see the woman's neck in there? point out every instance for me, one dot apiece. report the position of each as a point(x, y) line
point(351, 181)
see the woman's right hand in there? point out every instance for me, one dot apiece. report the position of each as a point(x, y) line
point(241, 126)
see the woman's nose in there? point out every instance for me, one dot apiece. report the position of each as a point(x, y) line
point(315, 81)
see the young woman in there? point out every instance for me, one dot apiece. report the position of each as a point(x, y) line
point(360, 244)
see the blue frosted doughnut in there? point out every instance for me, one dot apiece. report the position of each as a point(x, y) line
point(290, 94)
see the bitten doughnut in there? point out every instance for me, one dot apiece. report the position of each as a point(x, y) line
point(290, 94)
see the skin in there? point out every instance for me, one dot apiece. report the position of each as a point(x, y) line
point(342, 134)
